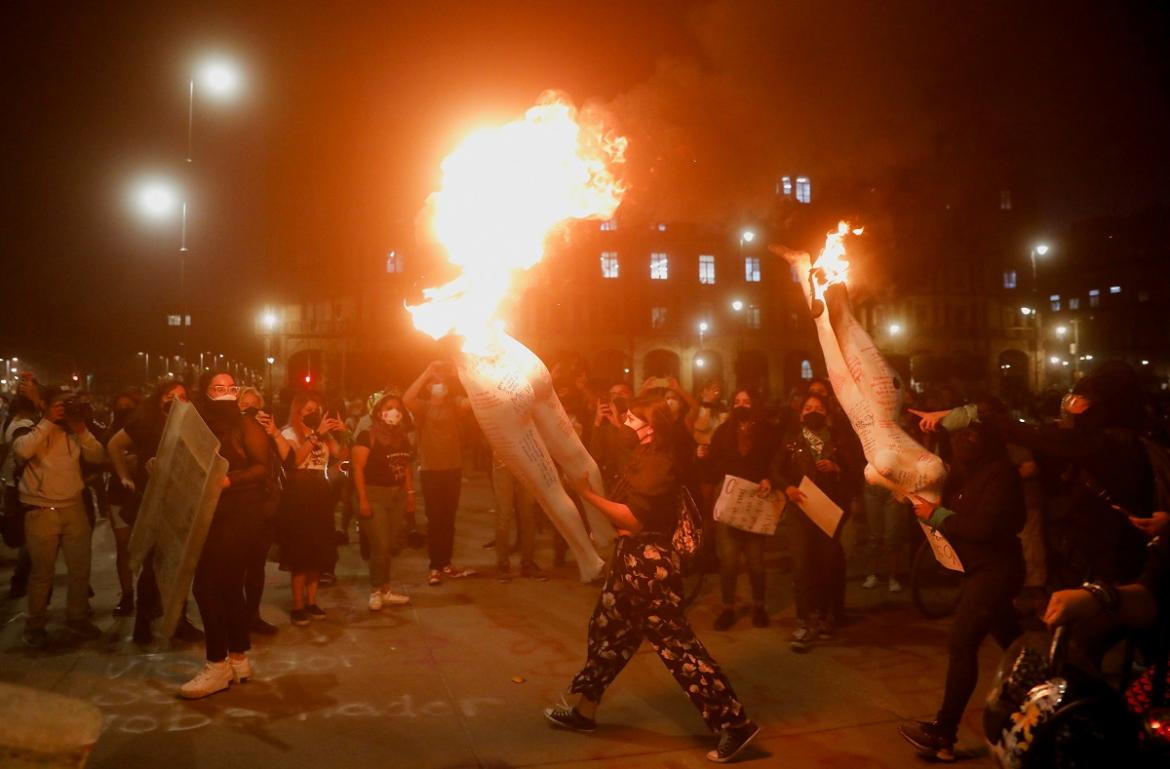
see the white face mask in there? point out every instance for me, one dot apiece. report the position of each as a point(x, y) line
point(391, 416)
point(439, 391)
point(224, 397)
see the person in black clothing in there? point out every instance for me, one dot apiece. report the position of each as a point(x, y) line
point(817, 450)
point(605, 441)
point(742, 447)
point(981, 515)
point(642, 594)
point(237, 523)
point(122, 504)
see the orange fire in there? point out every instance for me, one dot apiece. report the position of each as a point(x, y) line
point(831, 265)
point(504, 189)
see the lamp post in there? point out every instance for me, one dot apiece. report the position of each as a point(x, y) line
point(1039, 249)
point(145, 366)
point(1074, 347)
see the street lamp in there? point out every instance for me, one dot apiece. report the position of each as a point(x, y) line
point(702, 330)
point(747, 236)
point(1039, 249)
point(895, 329)
point(145, 365)
point(737, 305)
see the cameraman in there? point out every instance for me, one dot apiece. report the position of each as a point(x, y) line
point(606, 446)
point(51, 487)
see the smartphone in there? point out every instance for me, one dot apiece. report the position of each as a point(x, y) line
point(251, 412)
point(660, 381)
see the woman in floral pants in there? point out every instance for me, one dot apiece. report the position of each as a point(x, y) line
point(642, 598)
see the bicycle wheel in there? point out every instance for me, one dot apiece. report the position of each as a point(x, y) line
point(933, 588)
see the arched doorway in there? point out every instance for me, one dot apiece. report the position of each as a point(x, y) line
point(661, 363)
point(1013, 375)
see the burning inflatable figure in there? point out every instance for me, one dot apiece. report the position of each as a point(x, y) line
point(504, 191)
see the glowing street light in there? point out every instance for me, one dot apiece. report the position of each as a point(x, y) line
point(1061, 330)
point(699, 362)
point(219, 77)
point(268, 320)
point(1041, 249)
point(703, 327)
point(1054, 360)
point(157, 199)
point(737, 305)
point(895, 329)
point(270, 359)
point(747, 236)
point(1026, 311)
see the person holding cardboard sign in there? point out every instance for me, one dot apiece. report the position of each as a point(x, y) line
point(981, 515)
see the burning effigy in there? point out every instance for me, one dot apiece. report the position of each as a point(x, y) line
point(869, 391)
point(504, 190)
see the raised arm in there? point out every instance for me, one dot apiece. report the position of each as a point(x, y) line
point(410, 398)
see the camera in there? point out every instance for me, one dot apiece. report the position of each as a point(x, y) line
point(78, 408)
point(251, 411)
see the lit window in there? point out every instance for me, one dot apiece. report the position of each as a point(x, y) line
point(1009, 279)
point(707, 269)
point(609, 225)
point(657, 317)
point(609, 264)
point(1055, 300)
point(806, 372)
point(786, 185)
point(659, 266)
point(1115, 289)
point(1074, 303)
point(1094, 297)
point(393, 262)
point(752, 317)
point(1005, 200)
point(751, 269)
point(803, 189)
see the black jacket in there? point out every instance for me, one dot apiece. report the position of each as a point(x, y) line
point(989, 513)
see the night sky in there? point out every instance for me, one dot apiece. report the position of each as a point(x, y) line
point(323, 163)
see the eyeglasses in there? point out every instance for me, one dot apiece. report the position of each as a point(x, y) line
point(224, 389)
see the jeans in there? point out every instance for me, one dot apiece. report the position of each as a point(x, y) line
point(985, 606)
point(888, 523)
point(383, 528)
point(733, 542)
point(48, 530)
point(818, 569)
point(513, 503)
point(440, 490)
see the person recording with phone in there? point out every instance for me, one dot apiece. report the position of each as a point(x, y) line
point(605, 445)
point(55, 520)
point(305, 526)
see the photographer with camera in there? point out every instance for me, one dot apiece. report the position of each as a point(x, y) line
point(51, 488)
point(606, 446)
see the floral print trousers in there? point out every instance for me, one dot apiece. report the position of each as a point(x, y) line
point(642, 598)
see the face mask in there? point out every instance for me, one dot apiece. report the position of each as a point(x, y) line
point(813, 420)
point(312, 421)
point(675, 406)
point(391, 416)
point(225, 397)
point(643, 430)
point(742, 412)
point(439, 391)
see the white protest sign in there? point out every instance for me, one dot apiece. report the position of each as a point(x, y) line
point(177, 507)
point(943, 552)
point(740, 506)
point(821, 510)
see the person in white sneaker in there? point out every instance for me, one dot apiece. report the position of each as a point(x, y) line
point(888, 521)
point(382, 456)
point(235, 527)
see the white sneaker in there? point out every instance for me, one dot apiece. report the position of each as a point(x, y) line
point(215, 677)
point(870, 582)
point(375, 603)
point(390, 598)
point(241, 669)
point(895, 585)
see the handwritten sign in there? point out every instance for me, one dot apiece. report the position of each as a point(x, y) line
point(821, 510)
point(943, 551)
point(740, 506)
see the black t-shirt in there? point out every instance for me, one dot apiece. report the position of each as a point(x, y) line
point(650, 488)
point(389, 461)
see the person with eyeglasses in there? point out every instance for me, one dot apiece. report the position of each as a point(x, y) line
point(305, 528)
point(235, 527)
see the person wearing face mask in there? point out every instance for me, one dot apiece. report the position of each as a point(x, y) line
point(981, 515)
point(305, 528)
point(818, 575)
point(251, 405)
point(605, 443)
point(437, 416)
point(382, 477)
point(743, 447)
point(129, 449)
point(235, 526)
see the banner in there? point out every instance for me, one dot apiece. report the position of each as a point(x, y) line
point(943, 552)
point(740, 506)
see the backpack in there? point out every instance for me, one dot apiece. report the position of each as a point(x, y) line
point(688, 532)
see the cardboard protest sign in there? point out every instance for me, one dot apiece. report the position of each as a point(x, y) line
point(177, 507)
point(943, 552)
point(821, 510)
point(740, 506)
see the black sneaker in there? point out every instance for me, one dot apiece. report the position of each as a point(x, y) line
point(725, 619)
point(732, 741)
point(931, 737)
point(37, 638)
point(532, 571)
point(568, 718)
point(760, 617)
point(187, 633)
point(802, 638)
point(299, 617)
point(504, 573)
point(125, 607)
point(314, 611)
point(260, 627)
point(83, 628)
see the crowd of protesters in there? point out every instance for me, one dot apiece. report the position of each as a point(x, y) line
point(1037, 501)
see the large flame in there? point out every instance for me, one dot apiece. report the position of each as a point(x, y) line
point(831, 265)
point(504, 189)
